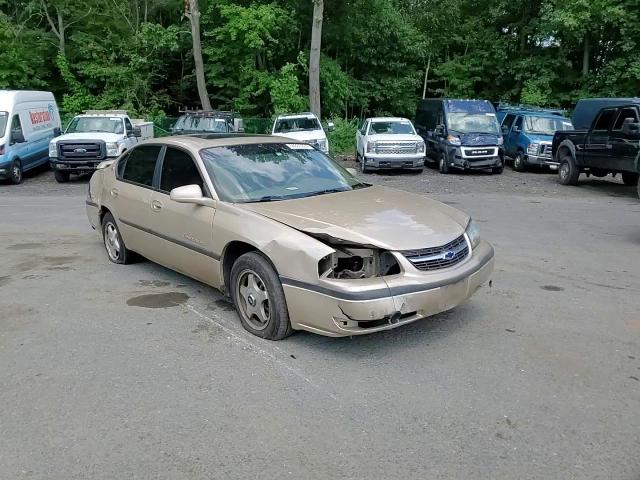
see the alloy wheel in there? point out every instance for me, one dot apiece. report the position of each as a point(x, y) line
point(253, 297)
point(112, 241)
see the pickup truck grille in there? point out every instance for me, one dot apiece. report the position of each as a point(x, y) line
point(397, 148)
point(436, 258)
point(81, 151)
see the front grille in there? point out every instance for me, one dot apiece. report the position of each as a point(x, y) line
point(81, 151)
point(396, 148)
point(436, 258)
point(480, 152)
point(545, 150)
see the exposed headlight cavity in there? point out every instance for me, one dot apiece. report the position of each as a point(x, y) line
point(473, 233)
point(354, 263)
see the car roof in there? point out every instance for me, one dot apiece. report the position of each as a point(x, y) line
point(209, 140)
point(297, 115)
point(389, 119)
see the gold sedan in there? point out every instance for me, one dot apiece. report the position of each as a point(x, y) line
point(296, 241)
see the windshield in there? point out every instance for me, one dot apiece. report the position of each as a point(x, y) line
point(545, 125)
point(95, 124)
point(399, 128)
point(3, 122)
point(201, 124)
point(473, 123)
point(274, 171)
point(296, 124)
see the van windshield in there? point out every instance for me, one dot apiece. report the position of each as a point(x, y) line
point(3, 122)
point(545, 125)
point(96, 124)
point(296, 124)
point(473, 123)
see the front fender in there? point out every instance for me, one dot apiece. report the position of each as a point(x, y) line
point(564, 145)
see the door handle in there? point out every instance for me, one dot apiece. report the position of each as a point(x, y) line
point(156, 205)
point(115, 192)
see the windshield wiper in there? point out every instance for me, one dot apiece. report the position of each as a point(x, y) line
point(329, 190)
point(267, 198)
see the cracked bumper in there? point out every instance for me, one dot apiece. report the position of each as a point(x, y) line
point(381, 304)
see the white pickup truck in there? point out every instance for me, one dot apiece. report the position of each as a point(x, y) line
point(389, 142)
point(93, 137)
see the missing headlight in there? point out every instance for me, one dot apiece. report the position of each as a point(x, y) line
point(353, 263)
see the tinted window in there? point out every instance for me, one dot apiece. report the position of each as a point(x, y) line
point(128, 125)
point(518, 123)
point(178, 170)
point(140, 165)
point(121, 164)
point(508, 121)
point(604, 120)
point(624, 114)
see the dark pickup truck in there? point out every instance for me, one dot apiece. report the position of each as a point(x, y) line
point(610, 146)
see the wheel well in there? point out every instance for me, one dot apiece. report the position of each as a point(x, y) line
point(103, 211)
point(564, 150)
point(232, 252)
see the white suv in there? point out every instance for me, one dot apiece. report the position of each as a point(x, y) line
point(303, 127)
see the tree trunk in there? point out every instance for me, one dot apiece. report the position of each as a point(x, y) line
point(314, 57)
point(585, 56)
point(194, 17)
point(426, 78)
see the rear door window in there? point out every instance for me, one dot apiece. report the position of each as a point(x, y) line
point(140, 165)
point(604, 120)
point(178, 170)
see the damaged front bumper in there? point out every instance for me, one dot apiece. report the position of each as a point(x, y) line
point(341, 308)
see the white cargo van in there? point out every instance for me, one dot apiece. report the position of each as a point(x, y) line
point(28, 121)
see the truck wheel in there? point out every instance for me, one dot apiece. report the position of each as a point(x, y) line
point(629, 178)
point(443, 165)
point(61, 177)
point(497, 170)
point(113, 242)
point(568, 172)
point(259, 298)
point(638, 187)
point(16, 172)
point(519, 163)
point(363, 165)
point(357, 154)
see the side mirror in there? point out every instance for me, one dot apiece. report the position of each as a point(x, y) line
point(631, 128)
point(439, 130)
point(57, 132)
point(191, 194)
point(136, 132)
point(331, 126)
point(504, 129)
point(17, 137)
point(352, 171)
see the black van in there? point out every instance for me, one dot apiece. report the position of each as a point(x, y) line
point(462, 134)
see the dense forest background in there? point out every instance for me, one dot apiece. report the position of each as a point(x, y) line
point(136, 54)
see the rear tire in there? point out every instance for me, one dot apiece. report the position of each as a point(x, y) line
point(258, 296)
point(519, 163)
point(16, 172)
point(443, 166)
point(630, 178)
point(113, 242)
point(568, 173)
point(61, 177)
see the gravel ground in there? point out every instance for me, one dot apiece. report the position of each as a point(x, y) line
point(139, 372)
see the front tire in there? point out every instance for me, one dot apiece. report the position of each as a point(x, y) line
point(519, 163)
point(113, 242)
point(630, 178)
point(258, 296)
point(363, 165)
point(16, 172)
point(568, 173)
point(443, 166)
point(61, 177)
point(497, 170)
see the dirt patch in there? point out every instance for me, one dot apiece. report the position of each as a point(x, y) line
point(158, 300)
point(153, 283)
point(552, 288)
point(221, 304)
point(60, 260)
point(4, 280)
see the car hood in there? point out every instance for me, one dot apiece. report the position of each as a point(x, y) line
point(373, 216)
point(390, 137)
point(104, 136)
point(304, 135)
